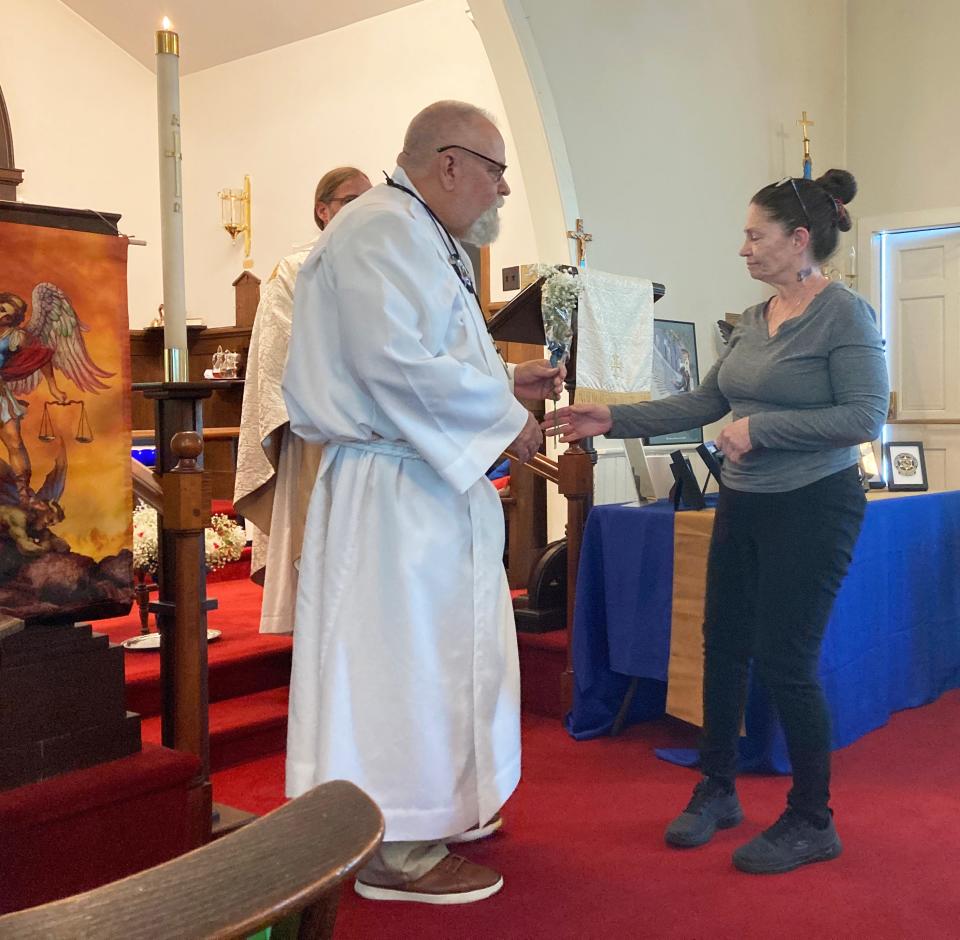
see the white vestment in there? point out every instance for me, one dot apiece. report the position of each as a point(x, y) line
point(405, 672)
point(274, 467)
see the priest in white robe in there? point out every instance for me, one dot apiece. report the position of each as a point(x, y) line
point(276, 469)
point(405, 672)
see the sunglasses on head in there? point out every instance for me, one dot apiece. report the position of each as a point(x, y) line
point(796, 192)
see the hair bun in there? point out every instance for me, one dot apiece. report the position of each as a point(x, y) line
point(840, 184)
point(841, 187)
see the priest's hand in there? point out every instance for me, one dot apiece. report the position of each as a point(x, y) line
point(538, 380)
point(734, 440)
point(528, 441)
point(575, 422)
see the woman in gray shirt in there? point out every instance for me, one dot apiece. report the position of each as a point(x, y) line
point(805, 380)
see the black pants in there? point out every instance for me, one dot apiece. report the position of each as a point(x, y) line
point(776, 563)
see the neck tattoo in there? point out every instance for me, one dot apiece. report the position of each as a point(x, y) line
point(804, 273)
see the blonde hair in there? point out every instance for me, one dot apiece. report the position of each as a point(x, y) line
point(329, 183)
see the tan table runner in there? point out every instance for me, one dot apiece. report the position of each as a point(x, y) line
point(691, 542)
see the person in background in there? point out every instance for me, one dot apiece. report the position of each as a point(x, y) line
point(805, 379)
point(275, 470)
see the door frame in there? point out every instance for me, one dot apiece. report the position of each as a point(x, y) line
point(870, 265)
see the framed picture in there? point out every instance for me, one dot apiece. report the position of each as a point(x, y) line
point(675, 370)
point(904, 465)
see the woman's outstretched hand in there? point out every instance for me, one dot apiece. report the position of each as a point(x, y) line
point(575, 422)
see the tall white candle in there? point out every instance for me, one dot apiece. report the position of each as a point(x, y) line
point(171, 205)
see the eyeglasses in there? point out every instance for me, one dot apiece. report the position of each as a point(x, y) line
point(501, 168)
point(343, 200)
point(796, 192)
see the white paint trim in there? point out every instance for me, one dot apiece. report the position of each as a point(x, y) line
point(868, 250)
point(505, 31)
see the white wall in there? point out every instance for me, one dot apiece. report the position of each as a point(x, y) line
point(903, 131)
point(673, 115)
point(286, 116)
point(84, 123)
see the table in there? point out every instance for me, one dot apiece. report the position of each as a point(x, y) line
point(893, 640)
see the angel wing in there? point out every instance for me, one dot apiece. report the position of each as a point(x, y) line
point(55, 324)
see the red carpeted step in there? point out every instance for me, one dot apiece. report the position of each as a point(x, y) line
point(223, 507)
point(232, 570)
point(543, 658)
point(242, 729)
point(241, 662)
point(79, 830)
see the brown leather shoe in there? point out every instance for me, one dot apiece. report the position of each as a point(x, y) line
point(453, 880)
point(477, 832)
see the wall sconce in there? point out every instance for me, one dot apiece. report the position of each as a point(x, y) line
point(235, 216)
point(848, 274)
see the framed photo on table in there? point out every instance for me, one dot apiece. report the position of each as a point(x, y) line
point(905, 466)
point(675, 370)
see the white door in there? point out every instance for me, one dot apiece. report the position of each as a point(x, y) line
point(921, 289)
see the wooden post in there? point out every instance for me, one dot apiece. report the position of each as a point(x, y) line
point(182, 604)
point(575, 482)
point(186, 512)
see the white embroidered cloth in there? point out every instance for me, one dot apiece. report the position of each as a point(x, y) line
point(614, 338)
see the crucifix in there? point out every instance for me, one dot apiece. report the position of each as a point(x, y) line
point(807, 161)
point(581, 237)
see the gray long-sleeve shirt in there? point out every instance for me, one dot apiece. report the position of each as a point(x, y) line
point(813, 392)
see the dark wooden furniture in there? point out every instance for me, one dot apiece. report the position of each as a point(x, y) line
point(247, 292)
point(290, 862)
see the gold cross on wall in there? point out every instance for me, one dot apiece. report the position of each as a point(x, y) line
point(581, 238)
point(804, 124)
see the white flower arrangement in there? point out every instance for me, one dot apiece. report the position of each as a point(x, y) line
point(224, 540)
point(558, 303)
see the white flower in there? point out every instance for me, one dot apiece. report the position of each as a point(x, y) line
point(558, 303)
point(223, 541)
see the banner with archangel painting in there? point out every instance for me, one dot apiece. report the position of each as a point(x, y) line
point(65, 483)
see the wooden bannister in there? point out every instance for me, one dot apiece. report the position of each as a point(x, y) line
point(209, 434)
point(146, 486)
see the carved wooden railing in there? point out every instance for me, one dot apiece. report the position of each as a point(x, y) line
point(572, 474)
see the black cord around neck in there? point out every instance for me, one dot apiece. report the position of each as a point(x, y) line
point(453, 256)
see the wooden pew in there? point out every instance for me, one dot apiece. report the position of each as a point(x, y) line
point(285, 868)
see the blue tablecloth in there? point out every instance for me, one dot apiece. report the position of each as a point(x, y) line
point(893, 641)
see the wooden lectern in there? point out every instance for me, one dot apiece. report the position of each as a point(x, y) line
point(521, 321)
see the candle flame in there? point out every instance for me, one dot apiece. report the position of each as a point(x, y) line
point(166, 23)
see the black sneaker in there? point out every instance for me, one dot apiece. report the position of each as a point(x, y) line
point(792, 841)
point(712, 807)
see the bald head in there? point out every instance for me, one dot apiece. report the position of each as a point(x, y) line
point(437, 125)
point(454, 155)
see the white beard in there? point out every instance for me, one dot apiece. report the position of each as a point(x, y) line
point(486, 228)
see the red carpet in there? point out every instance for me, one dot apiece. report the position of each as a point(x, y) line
point(582, 850)
point(241, 662)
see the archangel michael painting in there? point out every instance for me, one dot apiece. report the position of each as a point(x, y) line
point(65, 484)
